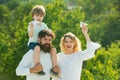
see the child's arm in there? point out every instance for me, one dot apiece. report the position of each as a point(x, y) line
point(30, 34)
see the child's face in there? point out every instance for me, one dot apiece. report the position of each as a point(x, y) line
point(38, 17)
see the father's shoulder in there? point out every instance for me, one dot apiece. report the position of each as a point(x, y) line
point(29, 53)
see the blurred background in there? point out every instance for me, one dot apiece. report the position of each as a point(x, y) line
point(62, 16)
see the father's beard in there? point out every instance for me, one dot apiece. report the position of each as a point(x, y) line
point(45, 47)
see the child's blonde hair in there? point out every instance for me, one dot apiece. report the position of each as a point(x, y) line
point(38, 9)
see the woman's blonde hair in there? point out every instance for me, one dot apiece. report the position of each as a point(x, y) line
point(77, 43)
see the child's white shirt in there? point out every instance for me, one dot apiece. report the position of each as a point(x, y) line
point(37, 27)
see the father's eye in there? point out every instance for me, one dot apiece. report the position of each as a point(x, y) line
point(50, 40)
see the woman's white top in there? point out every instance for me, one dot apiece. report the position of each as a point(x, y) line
point(27, 62)
point(71, 64)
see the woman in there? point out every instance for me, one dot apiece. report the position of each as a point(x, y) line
point(71, 57)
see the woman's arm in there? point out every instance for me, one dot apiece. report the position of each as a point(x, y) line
point(91, 46)
point(85, 32)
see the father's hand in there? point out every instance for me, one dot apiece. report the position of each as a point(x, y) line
point(36, 68)
point(56, 69)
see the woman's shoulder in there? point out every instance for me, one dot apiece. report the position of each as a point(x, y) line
point(60, 54)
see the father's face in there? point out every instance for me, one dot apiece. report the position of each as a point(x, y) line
point(45, 43)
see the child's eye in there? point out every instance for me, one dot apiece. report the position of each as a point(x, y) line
point(41, 15)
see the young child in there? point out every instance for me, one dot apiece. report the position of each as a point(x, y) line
point(34, 27)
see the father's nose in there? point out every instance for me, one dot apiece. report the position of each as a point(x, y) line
point(48, 41)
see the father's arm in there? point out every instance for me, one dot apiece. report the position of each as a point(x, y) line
point(24, 67)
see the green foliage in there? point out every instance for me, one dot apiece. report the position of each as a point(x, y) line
point(59, 18)
point(103, 20)
point(3, 13)
point(105, 65)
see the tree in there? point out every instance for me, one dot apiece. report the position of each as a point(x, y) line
point(14, 36)
point(105, 64)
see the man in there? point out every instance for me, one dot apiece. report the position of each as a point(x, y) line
point(26, 66)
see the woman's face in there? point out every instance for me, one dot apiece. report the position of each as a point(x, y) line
point(69, 44)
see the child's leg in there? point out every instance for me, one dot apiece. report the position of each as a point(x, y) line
point(55, 67)
point(36, 55)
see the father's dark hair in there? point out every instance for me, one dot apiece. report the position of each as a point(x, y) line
point(45, 32)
